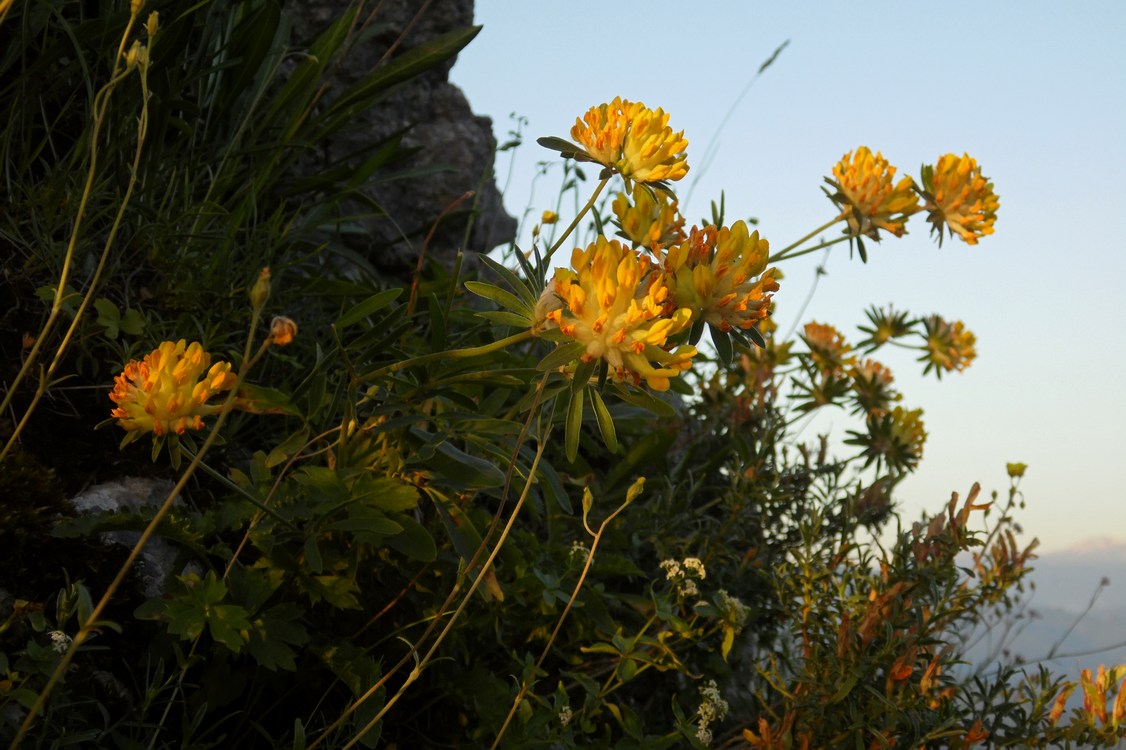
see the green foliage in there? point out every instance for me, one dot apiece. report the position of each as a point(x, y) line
point(435, 518)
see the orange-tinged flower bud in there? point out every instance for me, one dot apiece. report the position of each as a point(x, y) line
point(282, 330)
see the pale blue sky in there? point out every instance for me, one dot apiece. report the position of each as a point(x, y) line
point(1035, 91)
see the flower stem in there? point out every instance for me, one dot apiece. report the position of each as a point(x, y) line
point(813, 248)
point(578, 217)
point(784, 252)
point(467, 353)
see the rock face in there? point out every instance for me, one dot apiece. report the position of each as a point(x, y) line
point(453, 145)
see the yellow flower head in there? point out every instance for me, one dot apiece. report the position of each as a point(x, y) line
point(721, 275)
point(164, 392)
point(868, 199)
point(633, 140)
point(1016, 470)
point(652, 220)
point(959, 198)
point(950, 346)
point(614, 306)
point(827, 347)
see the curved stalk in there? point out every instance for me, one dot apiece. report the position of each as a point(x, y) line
point(578, 217)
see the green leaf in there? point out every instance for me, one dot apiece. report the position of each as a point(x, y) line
point(565, 148)
point(108, 316)
point(258, 399)
point(414, 540)
point(574, 424)
point(409, 64)
point(313, 555)
point(605, 421)
point(519, 286)
point(584, 371)
point(503, 298)
point(722, 343)
point(372, 304)
point(645, 400)
point(454, 467)
point(506, 319)
point(561, 356)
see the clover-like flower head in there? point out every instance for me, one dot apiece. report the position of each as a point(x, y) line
point(168, 390)
point(633, 140)
point(721, 275)
point(949, 346)
point(869, 198)
point(651, 220)
point(615, 307)
point(827, 347)
point(959, 198)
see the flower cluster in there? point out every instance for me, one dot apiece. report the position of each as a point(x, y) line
point(949, 346)
point(959, 198)
point(684, 574)
point(955, 194)
point(167, 391)
point(634, 312)
point(616, 308)
point(721, 275)
point(713, 708)
point(651, 220)
point(633, 140)
point(868, 198)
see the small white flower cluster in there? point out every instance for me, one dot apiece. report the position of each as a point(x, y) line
point(712, 709)
point(565, 715)
point(60, 641)
point(579, 553)
point(684, 575)
point(733, 608)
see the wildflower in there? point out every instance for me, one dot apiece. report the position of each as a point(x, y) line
point(578, 552)
point(695, 568)
point(959, 198)
point(673, 571)
point(683, 575)
point(867, 198)
point(652, 219)
point(895, 438)
point(827, 347)
point(565, 715)
point(949, 346)
point(713, 708)
point(151, 25)
point(616, 309)
point(282, 330)
point(164, 392)
point(871, 382)
point(60, 641)
point(549, 217)
point(1016, 470)
point(885, 325)
point(721, 275)
point(733, 609)
point(632, 140)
